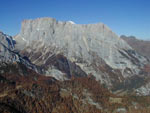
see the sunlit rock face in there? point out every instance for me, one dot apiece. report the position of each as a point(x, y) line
point(91, 47)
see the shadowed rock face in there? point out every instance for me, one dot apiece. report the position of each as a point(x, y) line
point(84, 45)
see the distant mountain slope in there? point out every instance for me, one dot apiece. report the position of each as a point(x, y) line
point(141, 46)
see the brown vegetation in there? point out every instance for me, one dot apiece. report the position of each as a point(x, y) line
point(33, 93)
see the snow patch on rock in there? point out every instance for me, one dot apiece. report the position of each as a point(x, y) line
point(71, 22)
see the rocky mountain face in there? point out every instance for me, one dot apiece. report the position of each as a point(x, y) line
point(89, 49)
point(141, 46)
point(8, 55)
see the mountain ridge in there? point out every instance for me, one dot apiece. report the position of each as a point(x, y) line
point(141, 46)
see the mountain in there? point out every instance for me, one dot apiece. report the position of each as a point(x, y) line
point(92, 49)
point(141, 46)
point(53, 66)
point(8, 55)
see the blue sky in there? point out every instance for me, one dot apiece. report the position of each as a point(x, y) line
point(128, 17)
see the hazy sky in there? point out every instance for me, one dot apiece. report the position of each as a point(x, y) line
point(128, 17)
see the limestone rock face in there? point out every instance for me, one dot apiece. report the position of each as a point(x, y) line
point(90, 46)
